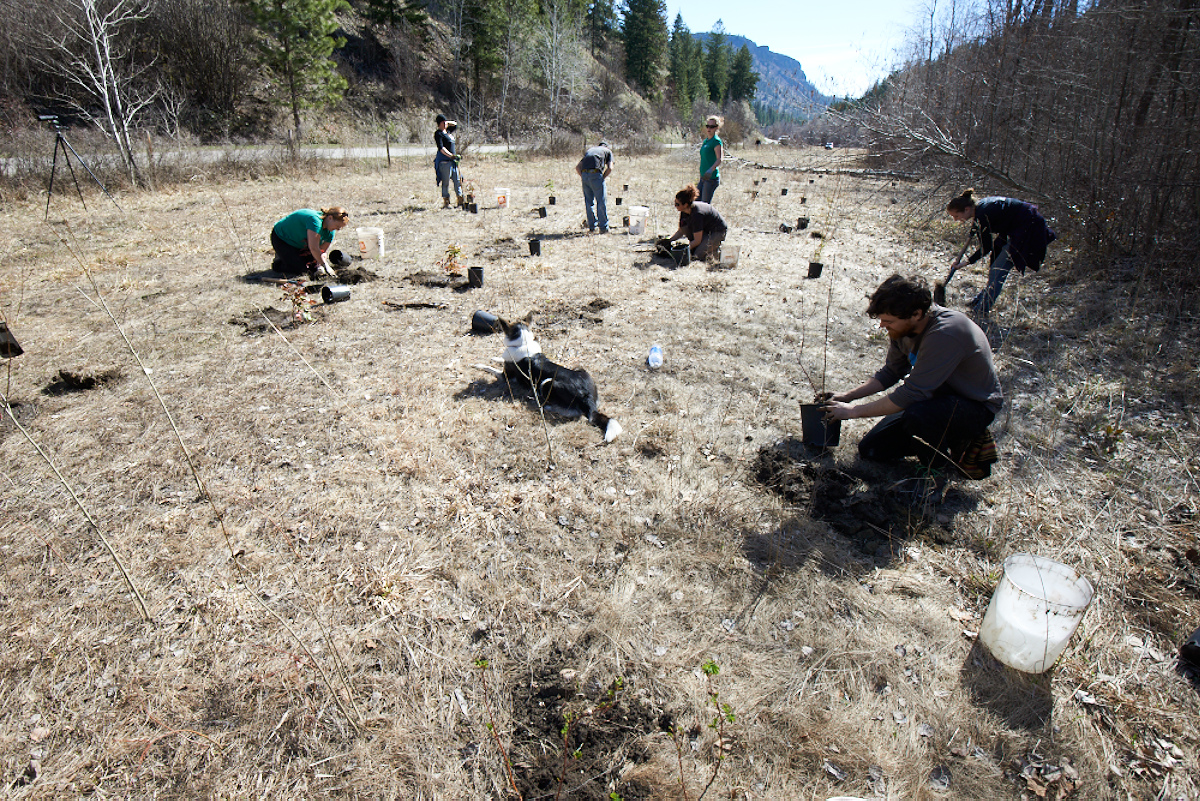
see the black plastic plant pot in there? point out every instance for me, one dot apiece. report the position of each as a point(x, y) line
point(819, 433)
point(9, 347)
point(618, 201)
point(474, 208)
point(335, 293)
point(475, 276)
point(814, 269)
point(1191, 649)
point(541, 211)
point(803, 200)
point(551, 200)
point(801, 223)
point(785, 228)
point(681, 254)
point(483, 322)
point(783, 191)
point(535, 247)
point(626, 189)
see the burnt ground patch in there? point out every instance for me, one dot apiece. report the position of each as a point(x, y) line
point(578, 737)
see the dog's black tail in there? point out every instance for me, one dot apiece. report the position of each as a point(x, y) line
point(610, 427)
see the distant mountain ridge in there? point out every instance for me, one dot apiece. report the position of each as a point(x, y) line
point(782, 84)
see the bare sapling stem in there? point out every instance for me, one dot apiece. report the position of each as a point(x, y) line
point(825, 344)
point(482, 664)
point(137, 595)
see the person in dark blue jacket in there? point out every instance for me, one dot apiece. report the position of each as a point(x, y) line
point(1011, 232)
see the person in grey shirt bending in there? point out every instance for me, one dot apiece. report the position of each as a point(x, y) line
point(595, 166)
point(939, 362)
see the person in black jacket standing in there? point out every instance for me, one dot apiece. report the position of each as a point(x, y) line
point(445, 162)
point(1012, 232)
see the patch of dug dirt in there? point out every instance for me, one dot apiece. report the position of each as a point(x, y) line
point(255, 321)
point(68, 381)
point(578, 737)
point(355, 275)
point(558, 317)
point(435, 280)
point(865, 513)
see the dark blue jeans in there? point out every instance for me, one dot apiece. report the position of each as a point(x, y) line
point(936, 431)
point(595, 201)
point(707, 187)
point(1001, 266)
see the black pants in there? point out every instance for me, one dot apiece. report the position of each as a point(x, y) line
point(936, 431)
point(289, 260)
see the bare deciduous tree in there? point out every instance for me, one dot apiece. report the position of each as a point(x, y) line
point(89, 49)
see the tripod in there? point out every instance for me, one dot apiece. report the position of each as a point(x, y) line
point(61, 143)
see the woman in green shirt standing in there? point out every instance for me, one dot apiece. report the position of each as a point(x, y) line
point(711, 154)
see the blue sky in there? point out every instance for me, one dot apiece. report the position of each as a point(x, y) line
point(843, 45)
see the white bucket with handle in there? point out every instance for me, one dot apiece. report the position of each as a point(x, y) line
point(370, 243)
point(1034, 611)
point(637, 220)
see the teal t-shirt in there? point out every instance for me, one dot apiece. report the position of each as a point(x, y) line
point(708, 156)
point(294, 228)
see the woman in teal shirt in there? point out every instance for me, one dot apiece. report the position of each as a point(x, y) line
point(301, 239)
point(711, 154)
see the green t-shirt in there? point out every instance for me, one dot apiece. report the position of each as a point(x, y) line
point(708, 156)
point(294, 228)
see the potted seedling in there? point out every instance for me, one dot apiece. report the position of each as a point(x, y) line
point(550, 192)
point(469, 192)
point(819, 432)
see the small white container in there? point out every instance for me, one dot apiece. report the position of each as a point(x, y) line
point(637, 220)
point(502, 195)
point(370, 243)
point(1034, 611)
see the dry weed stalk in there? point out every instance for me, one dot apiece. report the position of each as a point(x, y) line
point(102, 302)
point(137, 595)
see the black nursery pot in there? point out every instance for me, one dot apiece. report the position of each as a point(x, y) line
point(535, 247)
point(550, 200)
point(483, 322)
point(474, 208)
point(801, 223)
point(541, 211)
point(475, 276)
point(618, 201)
point(783, 191)
point(9, 347)
point(334, 293)
point(814, 269)
point(816, 431)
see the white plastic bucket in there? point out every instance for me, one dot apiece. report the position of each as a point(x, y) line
point(502, 195)
point(637, 219)
point(370, 243)
point(1034, 611)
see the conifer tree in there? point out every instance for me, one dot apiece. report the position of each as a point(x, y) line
point(743, 80)
point(716, 64)
point(645, 37)
point(295, 41)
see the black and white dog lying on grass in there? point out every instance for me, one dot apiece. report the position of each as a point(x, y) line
point(570, 393)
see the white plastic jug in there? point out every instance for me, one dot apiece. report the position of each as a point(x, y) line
point(502, 196)
point(637, 219)
point(1034, 611)
point(370, 243)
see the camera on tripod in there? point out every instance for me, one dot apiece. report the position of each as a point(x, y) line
point(52, 119)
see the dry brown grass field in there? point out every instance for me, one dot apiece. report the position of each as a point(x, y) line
point(369, 570)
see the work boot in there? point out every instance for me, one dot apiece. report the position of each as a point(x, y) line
point(445, 203)
point(462, 203)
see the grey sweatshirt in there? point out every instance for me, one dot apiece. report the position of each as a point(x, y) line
point(951, 354)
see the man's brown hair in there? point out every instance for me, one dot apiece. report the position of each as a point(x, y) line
point(900, 297)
